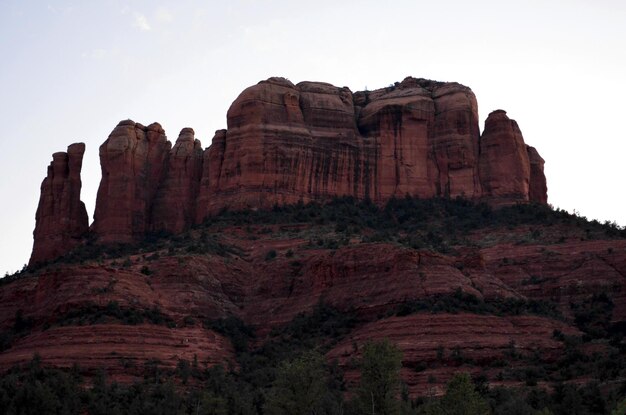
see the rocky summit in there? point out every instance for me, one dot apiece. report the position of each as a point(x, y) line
point(289, 143)
point(319, 222)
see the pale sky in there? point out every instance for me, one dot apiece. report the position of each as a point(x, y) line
point(71, 70)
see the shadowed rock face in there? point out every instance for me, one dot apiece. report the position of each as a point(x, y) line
point(175, 204)
point(538, 191)
point(504, 163)
point(312, 141)
point(133, 161)
point(61, 218)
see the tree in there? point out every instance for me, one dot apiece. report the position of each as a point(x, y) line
point(301, 387)
point(379, 388)
point(211, 404)
point(620, 409)
point(461, 398)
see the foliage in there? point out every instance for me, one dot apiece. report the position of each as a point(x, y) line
point(36, 390)
point(379, 387)
point(460, 301)
point(438, 224)
point(302, 387)
point(235, 329)
point(21, 327)
point(620, 409)
point(461, 398)
point(94, 314)
point(271, 376)
point(593, 315)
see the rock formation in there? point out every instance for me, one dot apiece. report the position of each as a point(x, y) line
point(538, 190)
point(133, 161)
point(504, 164)
point(61, 218)
point(175, 203)
point(312, 141)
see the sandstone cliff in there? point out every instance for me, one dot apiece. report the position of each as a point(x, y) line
point(133, 161)
point(61, 218)
point(175, 203)
point(312, 141)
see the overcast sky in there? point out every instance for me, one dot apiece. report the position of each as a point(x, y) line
point(71, 70)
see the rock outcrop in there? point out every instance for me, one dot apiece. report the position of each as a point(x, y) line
point(312, 141)
point(480, 339)
point(175, 204)
point(133, 161)
point(504, 164)
point(538, 190)
point(61, 218)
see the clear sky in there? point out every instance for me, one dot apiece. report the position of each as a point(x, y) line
point(71, 70)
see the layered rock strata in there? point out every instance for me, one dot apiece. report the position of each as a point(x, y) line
point(368, 280)
point(312, 141)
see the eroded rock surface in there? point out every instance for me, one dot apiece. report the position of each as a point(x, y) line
point(504, 163)
point(133, 161)
point(175, 205)
point(61, 218)
point(311, 141)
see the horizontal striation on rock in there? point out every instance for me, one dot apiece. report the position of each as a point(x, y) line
point(437, 339)
point(312, 141)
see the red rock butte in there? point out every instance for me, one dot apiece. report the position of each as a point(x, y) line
point(289, 143)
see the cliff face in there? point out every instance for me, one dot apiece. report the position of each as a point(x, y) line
point(175, 204)
point(61, 218)
point(538, 190)
point(504, 163)
point(312, 141)
point(133, 161)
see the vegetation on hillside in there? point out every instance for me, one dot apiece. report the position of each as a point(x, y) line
point(439, 224)
point(286, 372)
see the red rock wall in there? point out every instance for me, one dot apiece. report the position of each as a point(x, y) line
point(175, 203)
point(313, 141)
point(538, 191)
point(287, 143)
point(133, 161)
point(504, 164)
point(61, 218)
